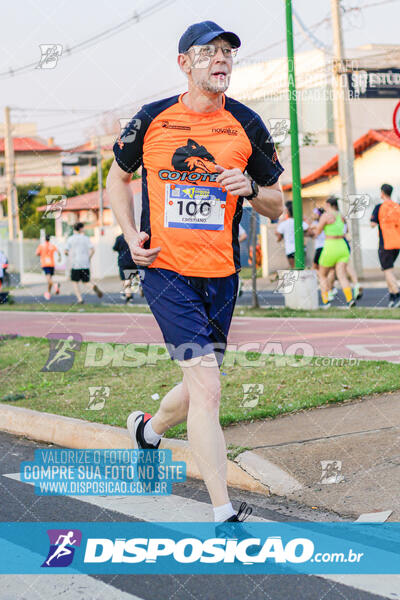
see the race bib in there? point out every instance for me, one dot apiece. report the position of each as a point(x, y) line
point(194, 207)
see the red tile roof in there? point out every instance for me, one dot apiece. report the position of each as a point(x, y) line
point(90, 201)
point(28, 144)
point(88, 147)
point(329, 169)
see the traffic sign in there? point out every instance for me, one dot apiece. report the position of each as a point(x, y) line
point(396, 119)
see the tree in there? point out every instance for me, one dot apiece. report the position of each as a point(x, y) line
point(33, 195)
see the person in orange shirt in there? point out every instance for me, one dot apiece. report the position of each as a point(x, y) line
point(201, 154)
point(386, 216)
point(46, 251)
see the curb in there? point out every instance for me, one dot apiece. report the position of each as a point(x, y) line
point(277, 480)
point(76, 433)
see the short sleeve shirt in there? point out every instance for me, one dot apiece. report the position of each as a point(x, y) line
point(375, 219)
point(46, 251)
point(78, 246)
point(286, 228)
point(179, 150)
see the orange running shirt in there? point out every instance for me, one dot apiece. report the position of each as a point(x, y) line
point(389, 223)
point(184, 210)
point(46, 252)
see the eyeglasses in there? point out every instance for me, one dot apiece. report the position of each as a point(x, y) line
point(209, 50)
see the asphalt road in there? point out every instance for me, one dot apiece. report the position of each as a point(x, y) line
point(373, 297)
point(18, 502)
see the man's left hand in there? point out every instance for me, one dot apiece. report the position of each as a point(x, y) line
point(234, 181)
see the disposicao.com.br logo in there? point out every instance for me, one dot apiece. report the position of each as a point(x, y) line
point(193, 550)
point(147, 547)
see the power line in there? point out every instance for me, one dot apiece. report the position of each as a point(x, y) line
point(372, 4)
point(282, 41)
point(54, 110)
point(110, 111)
point(308, 33)
point(95, 39)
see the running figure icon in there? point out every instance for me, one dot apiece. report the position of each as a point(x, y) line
point(62, 549)
point(62, 353)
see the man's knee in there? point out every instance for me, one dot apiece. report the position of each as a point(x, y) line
point(206, 393)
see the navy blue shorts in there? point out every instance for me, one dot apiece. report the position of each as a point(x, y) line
point(194, 313)
point(48, 270)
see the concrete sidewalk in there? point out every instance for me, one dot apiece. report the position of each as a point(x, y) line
point(359, 439)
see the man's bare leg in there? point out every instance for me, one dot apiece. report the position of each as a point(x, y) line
point(205, 435)
point(49, 283)
point(391, 281)
point(77, 291)
point(196, 399)
point(173, 409)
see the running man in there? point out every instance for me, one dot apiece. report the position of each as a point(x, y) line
point(46, 251)
point(194, 149)
point(128, 270)
point(386, 216)
point(285, 232)
point(81, 250)
point(335, 253)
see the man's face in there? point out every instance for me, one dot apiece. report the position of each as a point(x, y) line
point(210, 66)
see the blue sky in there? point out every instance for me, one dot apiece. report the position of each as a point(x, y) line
point(141, 61)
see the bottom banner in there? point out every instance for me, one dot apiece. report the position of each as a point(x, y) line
point(200, 548)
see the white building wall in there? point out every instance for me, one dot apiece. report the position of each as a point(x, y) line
point(33, 167)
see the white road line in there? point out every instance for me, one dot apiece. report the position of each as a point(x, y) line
point(387, 586)
point(364, 350)
point(67, 587)
point(171, 508)
point(105, 333)
point(178, 509)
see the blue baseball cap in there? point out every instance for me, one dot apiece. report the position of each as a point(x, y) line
point(203, 33)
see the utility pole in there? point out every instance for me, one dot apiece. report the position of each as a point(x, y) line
point(294, 143)
point(12, 197)
point(100, 184)
point(343, 135)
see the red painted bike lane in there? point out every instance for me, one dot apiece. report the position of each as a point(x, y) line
point(371, 339)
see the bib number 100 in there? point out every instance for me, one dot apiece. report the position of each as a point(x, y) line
point(191, 208)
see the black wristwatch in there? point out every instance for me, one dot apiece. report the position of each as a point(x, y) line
point(254, 192)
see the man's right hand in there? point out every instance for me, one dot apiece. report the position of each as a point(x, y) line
point(140, 255)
